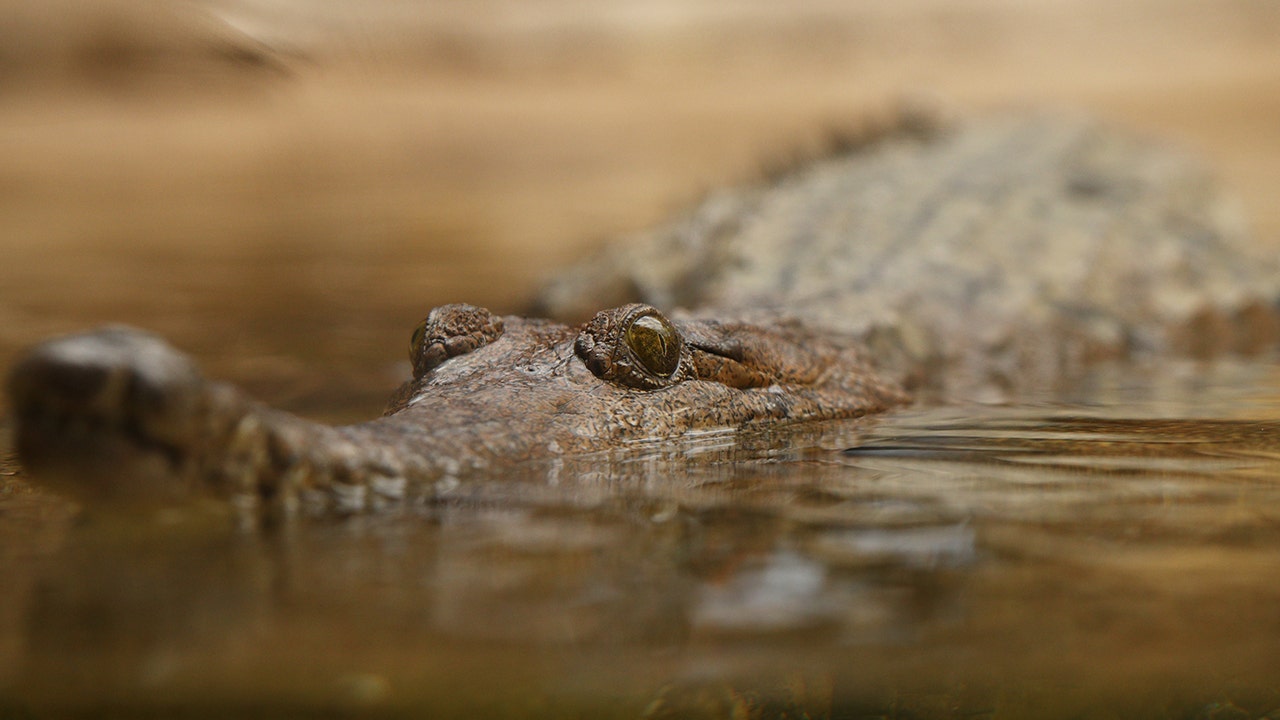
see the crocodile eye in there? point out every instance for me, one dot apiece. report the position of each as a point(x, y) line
point(449, 331)
point(634, 346)
point(415, 340)
point(655, 344)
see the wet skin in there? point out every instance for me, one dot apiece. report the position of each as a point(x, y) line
point(979, 260)
point(118, 413)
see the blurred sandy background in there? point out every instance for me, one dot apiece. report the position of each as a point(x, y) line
point(286, 186)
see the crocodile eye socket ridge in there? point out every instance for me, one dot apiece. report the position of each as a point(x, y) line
point(654, 343)
point(449, 331)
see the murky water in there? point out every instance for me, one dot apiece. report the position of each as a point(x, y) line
point(1111, 552)
point(288, 210)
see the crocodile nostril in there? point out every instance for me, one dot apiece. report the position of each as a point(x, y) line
point(112, 378)
point(44, 379)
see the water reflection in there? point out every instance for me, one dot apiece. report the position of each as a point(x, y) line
point(1093, 558)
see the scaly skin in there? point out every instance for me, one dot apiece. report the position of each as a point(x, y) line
point(1003, 254)
point(119, 413)
point(993, 255)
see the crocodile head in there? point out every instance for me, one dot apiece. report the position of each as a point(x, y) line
point(487, 392)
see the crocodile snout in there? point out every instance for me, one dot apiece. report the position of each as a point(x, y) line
point(111, 395)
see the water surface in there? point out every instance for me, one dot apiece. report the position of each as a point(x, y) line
point(1110, 551)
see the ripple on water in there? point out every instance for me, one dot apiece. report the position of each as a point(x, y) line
point(1114, 551)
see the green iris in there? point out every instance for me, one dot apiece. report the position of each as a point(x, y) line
point(655, 344)
point(415, 341)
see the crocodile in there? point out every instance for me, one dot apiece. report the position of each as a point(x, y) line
point(980, 257)
point(996, 252)
point(119, 415)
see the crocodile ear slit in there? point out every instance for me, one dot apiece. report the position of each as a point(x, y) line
point(449, 331)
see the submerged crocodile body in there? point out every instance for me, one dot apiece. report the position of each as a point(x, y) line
point(991, 255)
point(994, 252)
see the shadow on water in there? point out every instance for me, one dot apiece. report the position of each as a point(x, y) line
point(1115, 556)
